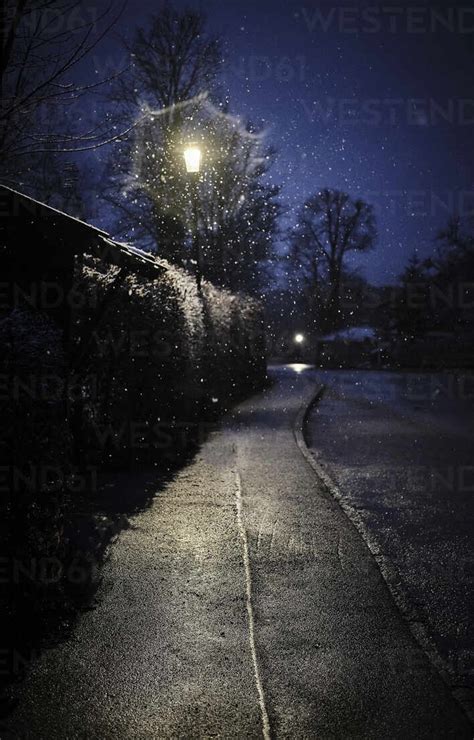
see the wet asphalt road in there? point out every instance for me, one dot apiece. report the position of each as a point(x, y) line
point(401, 448)
point(242, 603)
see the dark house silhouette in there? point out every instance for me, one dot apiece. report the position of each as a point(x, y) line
point(39, 246)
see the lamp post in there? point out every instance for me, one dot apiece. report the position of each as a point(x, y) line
point(299, 340)
point(192, 159)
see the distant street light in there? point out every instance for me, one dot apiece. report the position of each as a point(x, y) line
point(299, 338)
point(193, 159)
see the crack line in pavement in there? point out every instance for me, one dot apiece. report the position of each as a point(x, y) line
point(250, 613)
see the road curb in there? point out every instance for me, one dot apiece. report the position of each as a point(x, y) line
point(386, 567)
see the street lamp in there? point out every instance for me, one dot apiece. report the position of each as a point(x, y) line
point(298, 340)
point(192, 159)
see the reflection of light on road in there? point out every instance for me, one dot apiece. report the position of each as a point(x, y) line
point(299, 367)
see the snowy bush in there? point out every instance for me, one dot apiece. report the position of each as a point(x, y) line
point(159, 358)
point(35, 457)
point(149, 361)
point(33, 370)
point(147, 365)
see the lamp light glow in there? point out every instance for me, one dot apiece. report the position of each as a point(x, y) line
point(192, 158)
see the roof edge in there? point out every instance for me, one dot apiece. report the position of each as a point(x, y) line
point(50, 210)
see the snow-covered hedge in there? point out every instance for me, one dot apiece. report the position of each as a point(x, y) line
point(35, 462)
point(148, 364)
point(159, 359)
point(33, 371)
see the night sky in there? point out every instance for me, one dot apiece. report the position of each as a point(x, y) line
point(357, 97)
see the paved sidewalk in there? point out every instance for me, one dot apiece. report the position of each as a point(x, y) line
point(242, 594)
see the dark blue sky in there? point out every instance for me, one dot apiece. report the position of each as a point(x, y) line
point(376, 102)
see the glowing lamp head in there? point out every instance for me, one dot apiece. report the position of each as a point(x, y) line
point(299, 338)
point(192, 158)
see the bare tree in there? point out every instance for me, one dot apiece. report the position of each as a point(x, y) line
point(42, 43)
point(172, 60)
point(174, 69)
point(238, 206)
point(331, 225)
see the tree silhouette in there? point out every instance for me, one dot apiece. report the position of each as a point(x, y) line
point(172, 60)
point(42, 42)
point(229, 208)
point(330, 225)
